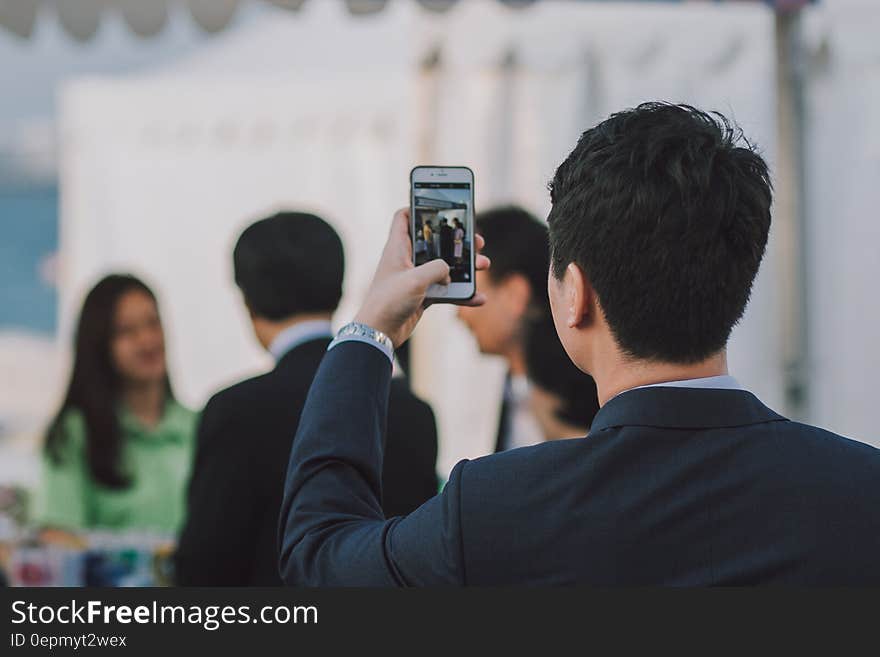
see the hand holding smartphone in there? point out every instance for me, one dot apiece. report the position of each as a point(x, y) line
point(442, 226)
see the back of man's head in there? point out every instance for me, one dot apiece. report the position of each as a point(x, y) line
point(289, 264)
point(516, 242)
point(666, 210)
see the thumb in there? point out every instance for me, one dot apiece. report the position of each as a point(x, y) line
point(434, 271)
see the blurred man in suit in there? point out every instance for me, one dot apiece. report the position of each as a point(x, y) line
point(289, 268)
point(515, 289)
point(659, 222)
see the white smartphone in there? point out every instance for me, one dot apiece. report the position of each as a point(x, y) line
point(442, 226)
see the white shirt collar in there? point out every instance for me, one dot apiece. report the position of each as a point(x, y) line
point(297, 334)
point(722, 382)
point(518, 391)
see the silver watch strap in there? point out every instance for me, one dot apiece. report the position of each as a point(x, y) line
point(355, 331)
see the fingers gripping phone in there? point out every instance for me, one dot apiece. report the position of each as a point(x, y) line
point(442, 226)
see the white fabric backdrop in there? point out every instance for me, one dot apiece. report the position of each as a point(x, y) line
point(160, 172)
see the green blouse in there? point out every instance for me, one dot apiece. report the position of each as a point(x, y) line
point(158, 461)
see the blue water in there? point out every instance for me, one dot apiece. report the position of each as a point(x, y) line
point(28, 236)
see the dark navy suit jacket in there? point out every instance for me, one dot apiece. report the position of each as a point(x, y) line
point(673, 486)
point(240, 466)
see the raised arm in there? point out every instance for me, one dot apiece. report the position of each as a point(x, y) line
point(332, 529)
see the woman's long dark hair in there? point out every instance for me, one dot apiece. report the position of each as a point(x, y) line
point(95, 385)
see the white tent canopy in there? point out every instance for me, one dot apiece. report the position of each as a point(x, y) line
point(82, 18)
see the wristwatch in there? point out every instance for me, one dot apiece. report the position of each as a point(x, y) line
point(364, 332)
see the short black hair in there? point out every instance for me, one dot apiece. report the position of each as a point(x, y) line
point(666, 209)
point(517, 243)
point(289, 263)
point(550, 368)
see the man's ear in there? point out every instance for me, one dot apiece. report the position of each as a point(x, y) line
point(579, 296)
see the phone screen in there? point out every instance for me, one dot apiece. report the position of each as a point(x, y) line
point(443, 226)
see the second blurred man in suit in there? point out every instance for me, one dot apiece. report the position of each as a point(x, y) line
point(516, 293)
point(289, 268)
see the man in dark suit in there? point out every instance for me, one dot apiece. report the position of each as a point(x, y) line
point(446, 244)
point(659, 222)
point(290, 270)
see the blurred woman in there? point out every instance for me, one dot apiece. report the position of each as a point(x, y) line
point(458, 240)
point(118, 452)
point(563, 399)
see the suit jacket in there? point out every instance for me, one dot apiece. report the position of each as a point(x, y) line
point(446, 241)
point(244, 440)
point(673, 486)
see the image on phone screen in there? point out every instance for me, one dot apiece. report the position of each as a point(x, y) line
point(442, 224)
